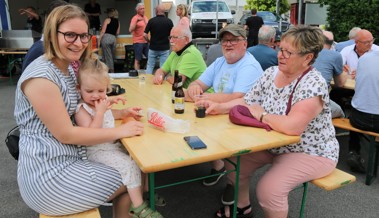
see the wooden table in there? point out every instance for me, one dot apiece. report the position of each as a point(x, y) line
point(349, 84)
point(156, 150)
point(11, 59)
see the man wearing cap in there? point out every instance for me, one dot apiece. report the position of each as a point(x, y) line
point(231, 76)
point(185, 58)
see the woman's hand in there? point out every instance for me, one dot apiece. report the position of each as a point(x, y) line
point(131, 128)
point(134, 112)
point(212, 107)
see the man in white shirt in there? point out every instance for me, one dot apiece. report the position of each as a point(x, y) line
point(350, 56)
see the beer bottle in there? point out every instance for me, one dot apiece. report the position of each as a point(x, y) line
point(179, 97)
point(174, 85)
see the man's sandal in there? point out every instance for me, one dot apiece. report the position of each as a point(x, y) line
point(144, 211)
point(240, 212)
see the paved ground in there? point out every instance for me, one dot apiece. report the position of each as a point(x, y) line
point(194, 200)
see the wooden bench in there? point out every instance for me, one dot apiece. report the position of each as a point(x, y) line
point(336, 179)
point(93, 213)
point(373, 152)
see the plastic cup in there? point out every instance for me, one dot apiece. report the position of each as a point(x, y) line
point(142, 76)
point(200, 105)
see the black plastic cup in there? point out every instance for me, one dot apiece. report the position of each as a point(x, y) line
point(200, 112)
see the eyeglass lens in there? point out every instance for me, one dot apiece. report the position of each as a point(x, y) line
point(71, 37)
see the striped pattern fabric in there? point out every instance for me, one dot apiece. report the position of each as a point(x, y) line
point(55, 178)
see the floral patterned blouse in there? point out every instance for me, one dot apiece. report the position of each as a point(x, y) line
point(318, 137)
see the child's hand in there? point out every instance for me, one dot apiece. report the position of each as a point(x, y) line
point(116, 99)
point(132, 128)
point(135, 112)
point(102, 105)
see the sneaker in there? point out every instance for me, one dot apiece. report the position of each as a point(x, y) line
point(356, 162)
point(214, 179)
point(228, 195)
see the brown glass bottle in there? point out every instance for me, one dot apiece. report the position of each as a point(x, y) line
point(174, 85)
point(179, 97)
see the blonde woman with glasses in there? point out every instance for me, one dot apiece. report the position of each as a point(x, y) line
point(54, 174)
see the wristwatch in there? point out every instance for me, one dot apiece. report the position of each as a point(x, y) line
point(262, 115)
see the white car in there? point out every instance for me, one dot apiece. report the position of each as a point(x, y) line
point(204, 16)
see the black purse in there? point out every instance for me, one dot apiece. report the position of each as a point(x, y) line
point(12, 140)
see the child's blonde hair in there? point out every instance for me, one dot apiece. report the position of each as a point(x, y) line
point(94, 67)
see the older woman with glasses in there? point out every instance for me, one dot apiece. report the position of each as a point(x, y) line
point(54, 174)
point(291, 98)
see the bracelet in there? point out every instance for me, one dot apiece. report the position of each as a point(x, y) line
point(262, 115)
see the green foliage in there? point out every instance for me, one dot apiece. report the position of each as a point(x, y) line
point(344, 15)
point(267, 5)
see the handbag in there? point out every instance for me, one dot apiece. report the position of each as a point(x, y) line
point(12, 140)
point(241, 115)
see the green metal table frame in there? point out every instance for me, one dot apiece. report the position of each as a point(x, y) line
point(236, 169)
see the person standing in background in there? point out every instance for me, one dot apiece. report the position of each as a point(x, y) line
point(93, 12)
point(253, 24)
point(137, 28)
point(182, 12)
point(34, 21)
point(159, 28)
point(109, 31)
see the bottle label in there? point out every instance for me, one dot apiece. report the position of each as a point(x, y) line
point(173, 95)
point(179, 104)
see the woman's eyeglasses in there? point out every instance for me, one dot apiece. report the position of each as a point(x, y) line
point(287, 54)
point(71, 37)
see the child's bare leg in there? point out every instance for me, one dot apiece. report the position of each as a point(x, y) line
point(136, 196)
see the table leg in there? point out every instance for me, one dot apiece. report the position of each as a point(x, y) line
point(236, 187)
point(152, 190)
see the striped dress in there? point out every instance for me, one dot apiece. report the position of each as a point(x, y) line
point(56, 178)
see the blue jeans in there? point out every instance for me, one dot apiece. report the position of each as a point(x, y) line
point(363, 121)
point(153, 57)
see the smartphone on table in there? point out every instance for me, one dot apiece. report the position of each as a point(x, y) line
point(195, 142)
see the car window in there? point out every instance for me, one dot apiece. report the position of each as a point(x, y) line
point(266, 16)
point(209, 7)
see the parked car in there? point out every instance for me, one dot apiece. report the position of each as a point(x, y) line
point(269, 18)
point(203, 16)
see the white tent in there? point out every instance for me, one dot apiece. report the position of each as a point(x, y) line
point(5, 21)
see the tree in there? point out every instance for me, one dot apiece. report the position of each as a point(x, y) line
point(344, 15)
point(267, 5)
